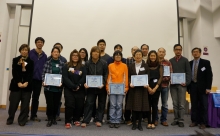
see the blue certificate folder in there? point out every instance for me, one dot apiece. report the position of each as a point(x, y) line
point(53, 79)
point(166, 70)
point(117, 88)
point(216, 99)
point(139, 80)
point(178, 78)
point(94, 81)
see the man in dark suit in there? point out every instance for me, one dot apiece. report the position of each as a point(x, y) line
point(199, 88)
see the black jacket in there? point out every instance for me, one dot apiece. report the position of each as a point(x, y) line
point(19, 76)
point(204, 75)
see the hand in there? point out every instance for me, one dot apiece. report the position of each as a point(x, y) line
point(85, 85)
point(183, 84)
point(77, 88)
point(108, 92)
point(125, 92)
point(25, 84)
point(131, 85)
point(44, 84)
point(100, 87)
point(60, 84)
point(72, 71)
point(149, 90)
point(146, 86)
point(20, 85)
point(208, 91)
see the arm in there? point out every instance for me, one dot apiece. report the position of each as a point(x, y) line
point(31, 72)
point(83, 77)
point(126, 78)
point(108, 79)
point(105, 73)
point(44, 70)
point(209, 76)
point(188, 73)
point(66, 79)
point(160, 79)
point(15, 72)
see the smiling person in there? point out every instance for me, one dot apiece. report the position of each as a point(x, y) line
point(39, 58)
point(74, 77)
point(52, 93)
point(145, 49)
point(83, 55)
point(20, 86)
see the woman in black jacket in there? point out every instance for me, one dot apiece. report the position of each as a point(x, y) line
point(74, 77)
point(20, 86)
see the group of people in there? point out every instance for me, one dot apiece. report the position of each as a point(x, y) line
point(141, 102)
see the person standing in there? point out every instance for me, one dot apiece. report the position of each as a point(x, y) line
point(199, 88)
point(83, 55)
point(164, 86)
point(39, 58)
point(20, 86)
point(180, 64)
point(52, 93)
point(145, 49)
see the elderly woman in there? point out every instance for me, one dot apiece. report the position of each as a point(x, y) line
point(20, 86)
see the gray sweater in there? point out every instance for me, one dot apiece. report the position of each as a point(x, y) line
point(182, 66)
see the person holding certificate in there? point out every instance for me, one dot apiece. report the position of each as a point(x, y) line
point(74, 77)
point(51, 78)
point(117, 87)
point(97, 71)
point(20, 86)
point(137, 100)
point(154, 89)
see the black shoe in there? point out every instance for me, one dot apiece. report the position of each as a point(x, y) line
point(181, 124)
point(21, 124)
point(134, 127)
point(54, 121)
point(9, 123)
point(58, 118)
point(111, 125)
point(35, 119)
point(46, 119)
point(140, 128)
point(174, 123)
point(117, 125)
point(49, 123)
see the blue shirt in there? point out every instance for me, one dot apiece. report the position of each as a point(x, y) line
point(194, 61)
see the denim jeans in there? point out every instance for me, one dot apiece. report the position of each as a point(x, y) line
point(115, 111)
point(164, 107)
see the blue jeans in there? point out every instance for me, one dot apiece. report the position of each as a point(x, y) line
point(164, 107)
point(115, 111)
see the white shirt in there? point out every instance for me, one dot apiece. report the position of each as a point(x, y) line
point(137, 67)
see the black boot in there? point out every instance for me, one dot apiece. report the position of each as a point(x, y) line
point(49, 123)
point(140, 127)
point(54, 121)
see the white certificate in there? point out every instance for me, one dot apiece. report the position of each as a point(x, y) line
point(117, 88)
point(178, 78)
point(139, 80)
point(94, 81)
point(53, 79)
point(166, 70)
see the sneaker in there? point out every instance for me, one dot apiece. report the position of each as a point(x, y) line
point(181, 124)
point(36, 119)
point(117, 125)
point(92, 119)
point(58, 118)
point(111, 125)
point(68, 125)
point(128, 123)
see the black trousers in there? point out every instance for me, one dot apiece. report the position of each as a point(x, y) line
point(15, 98)
point(127, 113)
point(92, 94)
point(53, 101)
point(37, 84)
point(153, 103)
point(199, 103)
point(137, 115)
point(74, 103)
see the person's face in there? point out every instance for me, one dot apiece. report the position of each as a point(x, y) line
point(161, 53)
point(39, 44)
point(138, 57)
point(24, 52)
point(95, 54)
point(144, 50)
point(58, 46)
point(133, 50)
point(153, 57)
point(82, 54)
point(55, 54)
point(178, 50)
point(118, 49)
point(196, 53)
point(117, 57)
point(75, 57)
point(102, 46)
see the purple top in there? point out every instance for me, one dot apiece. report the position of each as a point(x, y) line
point(39, 61)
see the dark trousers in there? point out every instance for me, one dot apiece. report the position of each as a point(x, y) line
point(127, 113)
point(137, 115)
point(37, 84)
point(14, 99)
point(199, 103)
point(153, 102)
point(92, 94)
point(53, 101)
point(74, 102)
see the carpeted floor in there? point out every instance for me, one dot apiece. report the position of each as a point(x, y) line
point(40, 129)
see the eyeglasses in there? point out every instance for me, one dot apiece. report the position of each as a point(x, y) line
point(74, 55)
point(178, 49)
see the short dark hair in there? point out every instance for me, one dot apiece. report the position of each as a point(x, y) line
point(118, 45)
point(58, 44)
point(24, 46)
point(54, 49)
point(138, 50)
point(145, 45)
point(94, 49)
point(39, 38)
point(177, 45)
point(101, 40)
point(196, 48)
point(86, 52)
point(117, 53)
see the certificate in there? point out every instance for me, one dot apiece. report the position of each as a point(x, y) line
point(93, 81)
point(139, 80)
point(166, 70)
point(117, 89)
point(53, 79)
point(178, 78)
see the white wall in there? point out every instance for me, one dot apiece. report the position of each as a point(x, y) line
point(216, 17)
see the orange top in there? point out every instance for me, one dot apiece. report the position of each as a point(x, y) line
point(117, 73)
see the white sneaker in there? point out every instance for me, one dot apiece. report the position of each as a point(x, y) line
point(92, 119)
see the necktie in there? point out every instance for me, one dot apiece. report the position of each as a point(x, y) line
point(195, 71)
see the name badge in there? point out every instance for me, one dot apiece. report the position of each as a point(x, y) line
point(71, 69)
point(155, 80)
point(25, 63)
point(142, 69)
point(57, 65)
point(203, 68)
